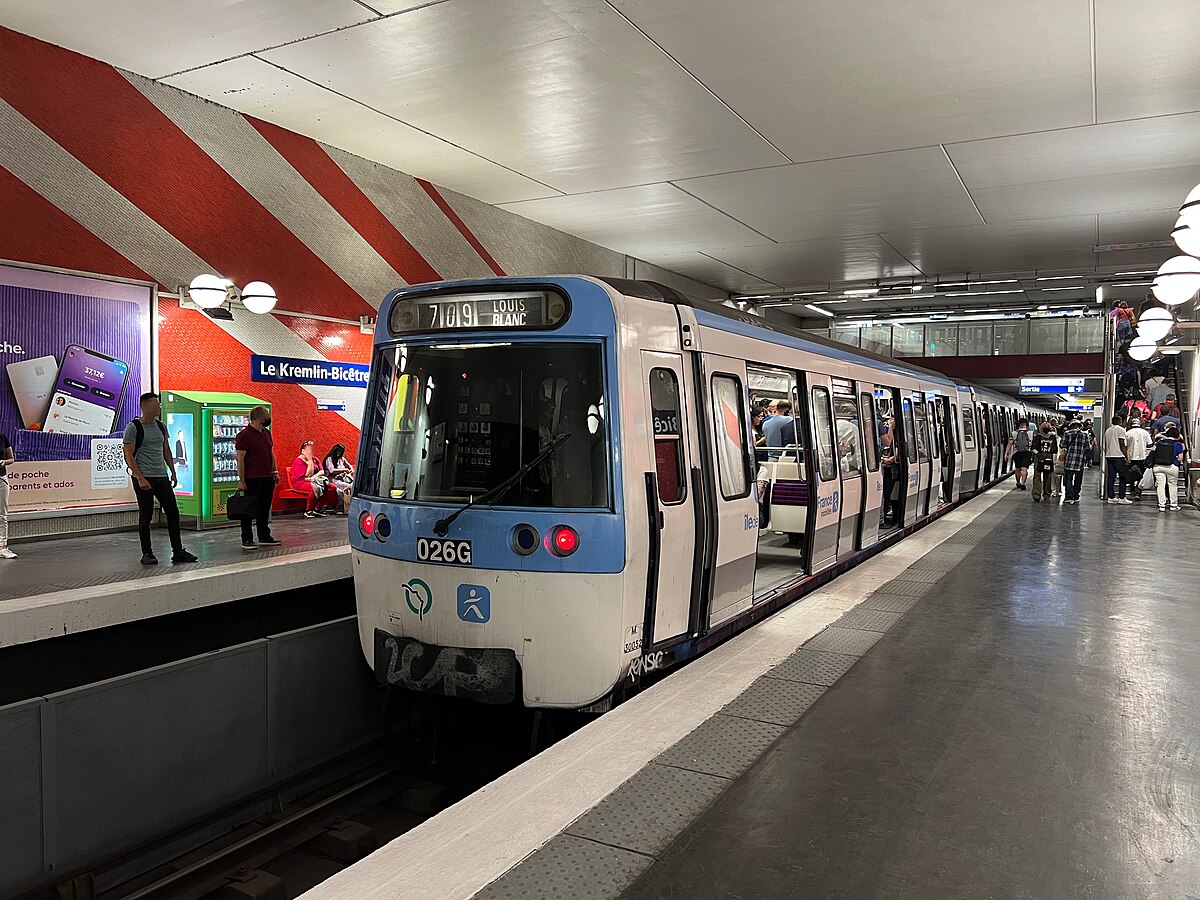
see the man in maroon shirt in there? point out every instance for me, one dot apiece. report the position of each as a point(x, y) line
point(257, 474)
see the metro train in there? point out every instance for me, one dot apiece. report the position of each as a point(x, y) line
point(559, 491)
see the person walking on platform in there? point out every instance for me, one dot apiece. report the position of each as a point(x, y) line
point(1022, 456)
point(1138, 442)
point(1076, 448)
point(1168, 457)
point(1116, 456)
point(6, 460)
point(257, 474)
point(149, 458)
point(1045, 450)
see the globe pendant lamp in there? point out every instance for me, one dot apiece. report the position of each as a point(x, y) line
point(258, 297)
point(1142, 348)
point(1187, 237)
point(1190, 211)
point(1177, 280)
point(1155, 323)
point(207, 291)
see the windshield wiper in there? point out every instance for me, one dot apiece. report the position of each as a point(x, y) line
point(443, 525)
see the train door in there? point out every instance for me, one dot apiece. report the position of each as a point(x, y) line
point(954, 441)
point(968, 448)
point(912, 469)
point(923, 462)
point(872, 429)
point(985, 434)
point(735, 514)
point(670, 498)
point(826, 483)
point(936, 456)
point(848, 439)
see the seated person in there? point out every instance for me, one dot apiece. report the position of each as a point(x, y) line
point(340, 472)
point(306, 477)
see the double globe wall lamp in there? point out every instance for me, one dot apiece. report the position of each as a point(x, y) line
point(216, 296)
point(1177, 280)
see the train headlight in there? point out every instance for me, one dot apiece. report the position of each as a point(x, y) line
point(525, 539)
point(366, 524)
point(383, 527)
point(563, 540)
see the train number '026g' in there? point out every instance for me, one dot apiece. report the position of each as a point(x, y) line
point(444, 551)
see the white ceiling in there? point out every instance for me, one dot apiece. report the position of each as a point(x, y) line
point(761, 146)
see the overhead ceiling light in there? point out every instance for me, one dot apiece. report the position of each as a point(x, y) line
point(818, 309)
point(1056, 277)
point(1187, 237)
point(1142, 348)
point(843, 300)
point(1130, 283)
point(1190, 210)
point(859, 292)
point(1155, 323)
point(1141, 272)
point(1178, 278)
point(983, 293)
point(1073, 287)
point(1043, 307)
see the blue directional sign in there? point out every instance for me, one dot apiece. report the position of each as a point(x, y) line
point(1052, 389)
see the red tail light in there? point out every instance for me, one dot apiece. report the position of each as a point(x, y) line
point(366, 524)
point(563, 540)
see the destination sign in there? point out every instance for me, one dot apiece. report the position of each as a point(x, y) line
point(478, 311)
point(1052, 389)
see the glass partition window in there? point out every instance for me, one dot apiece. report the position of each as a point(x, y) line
point(1012, 338)
point(1047, 335)
point(975, 339)
point(908, 340)
point(823, 414)
point(448, 424)
point(941, 340)
point(849, 435)
point(876, 339)
point(729, 426)
point(845, 334)
point(1085, 335)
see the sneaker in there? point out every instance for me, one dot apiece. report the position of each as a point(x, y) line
point(249, 545)
point(1056, 495)
point(1175, 507)
point(1112, 500)
point(269, 540)
point(1162, 509)
point(182, 556)
point(1125, 501)
point(5, 553)
point(149, 559)
point(309, 514)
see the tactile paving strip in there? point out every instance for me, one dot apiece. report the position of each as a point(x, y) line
point(774, 700)
point(813, 667)
point(649, 811)
point(844, 640)
point(886, 602)
point(569, 868)
point(723, 745)
point(906, 588)
point(913, 576)
point(869, 619)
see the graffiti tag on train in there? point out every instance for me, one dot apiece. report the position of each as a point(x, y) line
point(644, 665)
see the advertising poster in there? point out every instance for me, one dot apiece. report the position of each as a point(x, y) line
point(179, 433)
point(74, 358)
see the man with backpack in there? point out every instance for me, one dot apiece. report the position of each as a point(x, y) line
point(1167, 413)
point(1167, 457)
point(149, 458)
point(1045, 449)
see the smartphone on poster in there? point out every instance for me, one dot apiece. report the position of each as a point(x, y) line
point(32, 382)
point(87, 393)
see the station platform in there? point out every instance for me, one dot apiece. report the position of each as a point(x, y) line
point(65, 586)
point(1004, 704)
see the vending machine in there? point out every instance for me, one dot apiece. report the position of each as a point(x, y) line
point(201, 429)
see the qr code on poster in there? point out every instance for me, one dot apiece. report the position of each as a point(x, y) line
point(108, 464)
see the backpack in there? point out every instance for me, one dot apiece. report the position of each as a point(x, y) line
point(140, 433)
point(1164, 453)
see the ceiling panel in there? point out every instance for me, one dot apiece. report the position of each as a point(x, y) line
point(154, 38)
point(830, 260)
point(1139, 225)
point(1039, 244)
point(564, 91)
point(857, 76)
point(859, 195)
point(646, 221)
point(1114, 167)
point(712, 271)
point(1146, 59)
point(260, 89)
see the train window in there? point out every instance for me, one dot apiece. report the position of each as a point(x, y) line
point(849, 435)
point(968, 429)
point(873, 429)
point(826, 462)
point(922, 429)
point(957, 436)
point(909, 431)
point(935, 427)
point(729, 428)
point(668, 435)
point(448, 423)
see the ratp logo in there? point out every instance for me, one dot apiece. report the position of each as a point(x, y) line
point(418, 597)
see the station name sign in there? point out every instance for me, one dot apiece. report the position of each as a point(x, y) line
point(287, 370)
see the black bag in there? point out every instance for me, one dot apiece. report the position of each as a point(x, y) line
point(1164, 453)
point(241, 506)
point(1046, 464)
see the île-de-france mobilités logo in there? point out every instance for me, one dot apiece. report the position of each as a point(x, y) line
point(418, 597)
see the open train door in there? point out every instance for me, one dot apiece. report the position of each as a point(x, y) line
point(671, 499)
point(826, 507)
point(872, 504)
point(912, 469)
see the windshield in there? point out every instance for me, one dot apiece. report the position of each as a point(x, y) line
point(448, 423)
